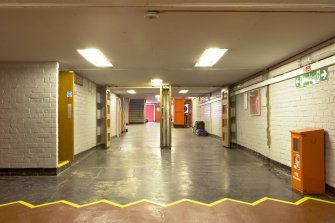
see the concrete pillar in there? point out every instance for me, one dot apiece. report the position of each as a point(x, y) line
point(165, 123)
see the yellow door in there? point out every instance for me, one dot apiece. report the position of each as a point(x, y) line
point(65, 116)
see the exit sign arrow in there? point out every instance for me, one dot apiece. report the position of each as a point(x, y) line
point(324, 74)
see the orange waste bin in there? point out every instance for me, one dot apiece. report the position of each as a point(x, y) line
point(307, 159)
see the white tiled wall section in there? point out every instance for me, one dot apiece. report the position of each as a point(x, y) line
point(28, 115)
point(85, 116)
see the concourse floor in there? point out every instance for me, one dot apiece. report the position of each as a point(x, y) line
point(111, 184)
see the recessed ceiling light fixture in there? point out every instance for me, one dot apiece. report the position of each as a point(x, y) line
point(156, 82)
point(131, 91)
point(95, 56)
point(183, 91)
point(210, 56)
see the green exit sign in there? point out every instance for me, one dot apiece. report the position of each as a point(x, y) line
point(310, 78)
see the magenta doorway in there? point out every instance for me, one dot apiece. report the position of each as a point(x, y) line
point(150, 113)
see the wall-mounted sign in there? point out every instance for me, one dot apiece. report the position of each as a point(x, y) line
point(254, 100)
point(312, 77)
point(307, 68)
point(69, 94)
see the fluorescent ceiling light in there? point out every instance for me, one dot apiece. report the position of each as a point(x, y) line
point(131, 91)
point(95, 57)
point(156, 82)
point(210, 56)
point(183, 91)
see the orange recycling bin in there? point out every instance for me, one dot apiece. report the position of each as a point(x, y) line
point(308, 160)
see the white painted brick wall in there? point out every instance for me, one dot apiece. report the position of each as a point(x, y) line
point(85, 116)
point(205, 115)
point(28, 115)
point(251, 130)
point(296, 108)
point(216, 118)
point(211, 114)
point(113, 114)
point(291, 108)
point(126, 109)
point(195, 111)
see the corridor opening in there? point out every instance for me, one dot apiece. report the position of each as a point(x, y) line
point(244, 69)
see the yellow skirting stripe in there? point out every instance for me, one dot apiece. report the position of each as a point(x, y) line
point(302, 200)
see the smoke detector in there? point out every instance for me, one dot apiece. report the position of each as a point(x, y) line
point(151, 15)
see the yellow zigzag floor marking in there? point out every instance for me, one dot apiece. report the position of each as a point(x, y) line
point(302, 200)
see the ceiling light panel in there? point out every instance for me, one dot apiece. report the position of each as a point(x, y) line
point(131, 91)
point(156, 82)
point(95, 56)
point(183, 91)
point(210, 56)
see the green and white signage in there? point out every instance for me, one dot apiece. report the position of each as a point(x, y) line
point(312, 77)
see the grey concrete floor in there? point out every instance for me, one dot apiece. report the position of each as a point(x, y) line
point(135, 168)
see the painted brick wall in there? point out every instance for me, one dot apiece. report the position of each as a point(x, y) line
point(85, 116)
point(113, 115)
point(195, 111)
point(205, 115)
point(126, 107)
point(216, 118)
point(295, 108)
point(210, 113)
point(251, 130)
point(28, 115)
point(291, 108)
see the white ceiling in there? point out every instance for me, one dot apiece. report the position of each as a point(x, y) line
point(166, 48)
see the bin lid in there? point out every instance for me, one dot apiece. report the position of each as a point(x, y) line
point(299, 131)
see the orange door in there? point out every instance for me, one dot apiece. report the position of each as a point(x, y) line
point(157, 114)
point(178, 111)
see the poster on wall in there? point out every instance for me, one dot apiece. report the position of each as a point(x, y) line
point(255, 105)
